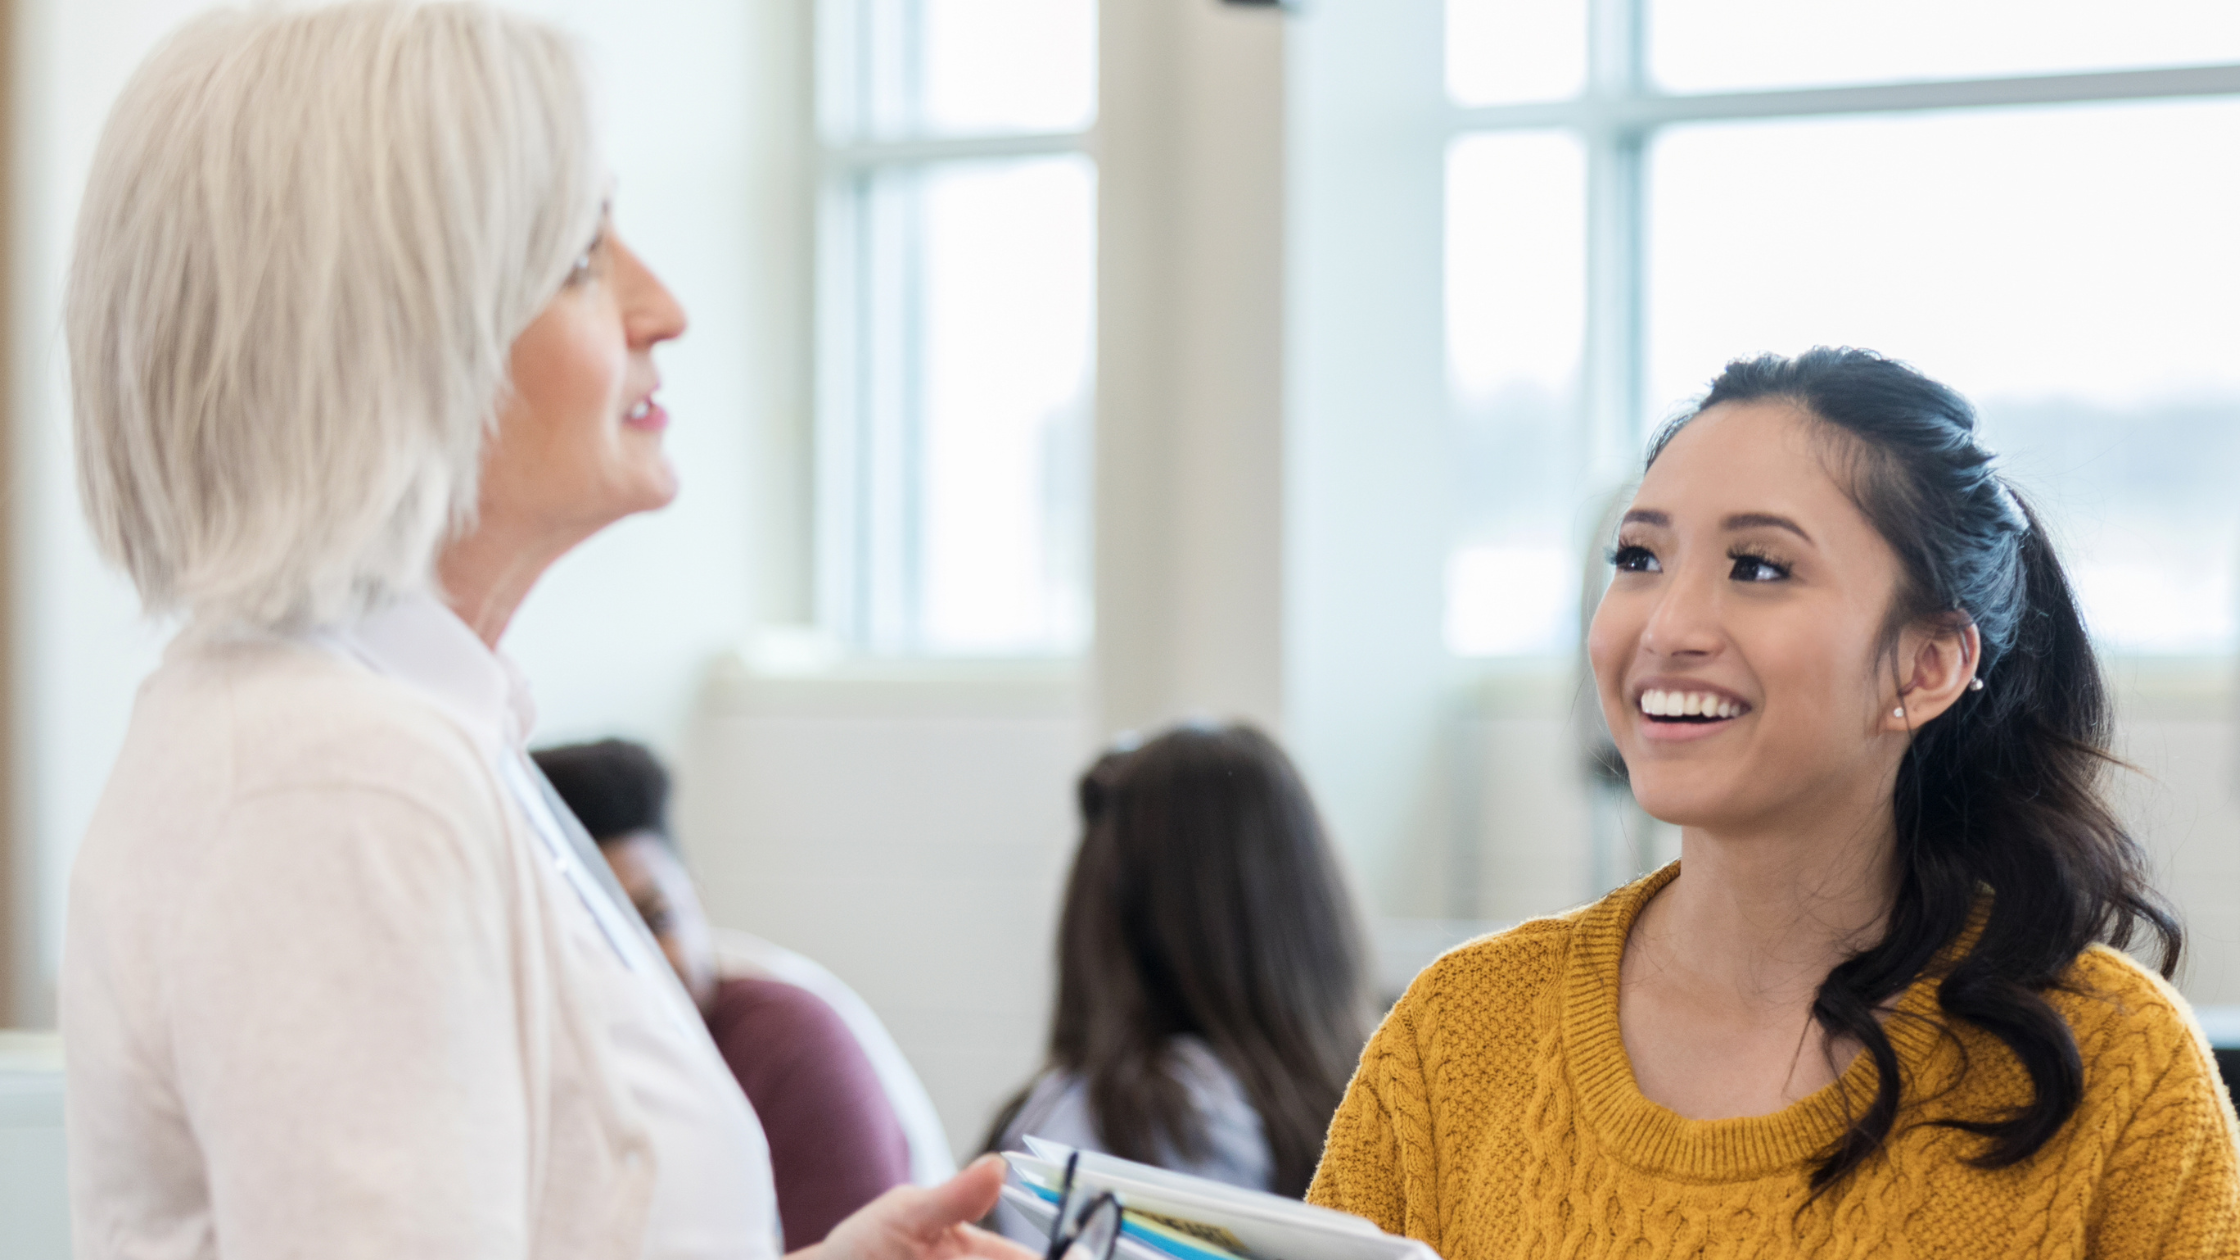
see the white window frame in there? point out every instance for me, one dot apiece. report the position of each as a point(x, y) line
point(1621, 109)
point(1614, 118)
point(866, 567)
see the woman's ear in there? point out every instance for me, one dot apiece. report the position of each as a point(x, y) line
point(1935, 663)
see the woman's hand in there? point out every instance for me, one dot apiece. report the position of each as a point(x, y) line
point(914, 1223)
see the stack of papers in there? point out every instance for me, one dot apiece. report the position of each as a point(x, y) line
point(1173, 1216)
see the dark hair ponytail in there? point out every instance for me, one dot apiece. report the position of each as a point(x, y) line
point(1999, 807)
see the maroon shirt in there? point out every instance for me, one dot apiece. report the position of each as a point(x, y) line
point(835, 1144)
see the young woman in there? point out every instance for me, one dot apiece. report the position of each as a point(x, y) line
point(1210, 983)
point(1873, 1010)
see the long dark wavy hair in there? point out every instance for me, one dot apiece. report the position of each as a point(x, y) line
point(1206, 900)
point(1999, 801)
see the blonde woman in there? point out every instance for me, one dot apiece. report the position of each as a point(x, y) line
point(357, 354)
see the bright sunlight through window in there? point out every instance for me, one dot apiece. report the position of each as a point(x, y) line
point(957, 288)
point(2061, 252)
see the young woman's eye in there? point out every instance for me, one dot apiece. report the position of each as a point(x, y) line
point(1634, 558)
point(1753, 568)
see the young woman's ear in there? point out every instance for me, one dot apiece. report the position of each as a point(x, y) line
point(1935, 664)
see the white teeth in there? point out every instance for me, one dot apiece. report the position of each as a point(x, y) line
point(639, 412)
point(1687, 704)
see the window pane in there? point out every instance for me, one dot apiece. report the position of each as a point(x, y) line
point(972, 67)
point(968, 433)
point(1500, 52)
point(1516, 294)
point(1730, 45)
point(2070, 270)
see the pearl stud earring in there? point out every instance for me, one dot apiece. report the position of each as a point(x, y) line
point(1975, 684)
point(1898, 712)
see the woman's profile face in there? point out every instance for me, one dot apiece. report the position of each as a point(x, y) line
point(579, 440)
point(1737, 650)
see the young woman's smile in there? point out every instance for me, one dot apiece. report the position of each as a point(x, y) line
point(1681, 708)
point(1736, 649)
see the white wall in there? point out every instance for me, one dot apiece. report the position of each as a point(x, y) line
point(34, 1200)
point(1368, 688)
point(2176, 726)
point(620, 633)
point(1189, 420)
point(906, 826)
point(80, 647)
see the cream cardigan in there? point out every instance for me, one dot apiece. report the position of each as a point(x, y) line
point(315, 989)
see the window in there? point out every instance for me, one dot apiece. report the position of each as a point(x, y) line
point(956, 307)
point(2033, 205)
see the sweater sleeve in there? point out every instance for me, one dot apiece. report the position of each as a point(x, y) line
point(1378, 1162)
point(835, 1144)
point(347, 1033)
point(2171, 1187)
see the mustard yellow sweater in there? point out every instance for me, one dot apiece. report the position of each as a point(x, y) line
point(1495, 1115)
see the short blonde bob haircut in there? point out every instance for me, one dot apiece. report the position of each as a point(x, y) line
point(308, 243)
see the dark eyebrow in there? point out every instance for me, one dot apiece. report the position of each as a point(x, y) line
point(1764, 520)
point(1643, 516)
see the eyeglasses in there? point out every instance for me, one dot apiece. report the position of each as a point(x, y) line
point(1085, 1228)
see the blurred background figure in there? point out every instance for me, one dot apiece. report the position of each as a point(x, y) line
point(836, 1142)
point(1211, 992)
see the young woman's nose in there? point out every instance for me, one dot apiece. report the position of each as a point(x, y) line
point(1684, 618)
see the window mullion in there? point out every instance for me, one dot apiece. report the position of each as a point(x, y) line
point(1612, 363)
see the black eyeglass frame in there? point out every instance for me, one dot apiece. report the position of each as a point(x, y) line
point(1063, 1235)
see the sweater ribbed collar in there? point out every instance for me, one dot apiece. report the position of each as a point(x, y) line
point(1656, 1140)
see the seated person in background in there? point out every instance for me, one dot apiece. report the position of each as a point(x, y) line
point(835, 1143)
point(1211, 996)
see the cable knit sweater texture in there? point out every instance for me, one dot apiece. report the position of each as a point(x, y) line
point(1495, 1115)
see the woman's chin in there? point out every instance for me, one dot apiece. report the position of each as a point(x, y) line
point(1680, 804)
point(656, 488)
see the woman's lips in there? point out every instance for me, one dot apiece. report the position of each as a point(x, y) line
point(647, 417)
point(1657, 732)
point(1679, 714)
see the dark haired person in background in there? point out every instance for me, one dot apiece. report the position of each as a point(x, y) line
point(835, 1143)
point(1873, 1010)
point(1211, 996)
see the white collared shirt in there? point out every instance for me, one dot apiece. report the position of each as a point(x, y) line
point(713, 1191)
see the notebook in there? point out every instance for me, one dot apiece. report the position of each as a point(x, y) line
point(1174, 1216)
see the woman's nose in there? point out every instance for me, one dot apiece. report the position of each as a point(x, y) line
point(650, 313)
point(1684, 621)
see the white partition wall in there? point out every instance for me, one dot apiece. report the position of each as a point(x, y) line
point(1190, 377)
point(1367, 682)
point(34, 1201)
point(908, 828)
